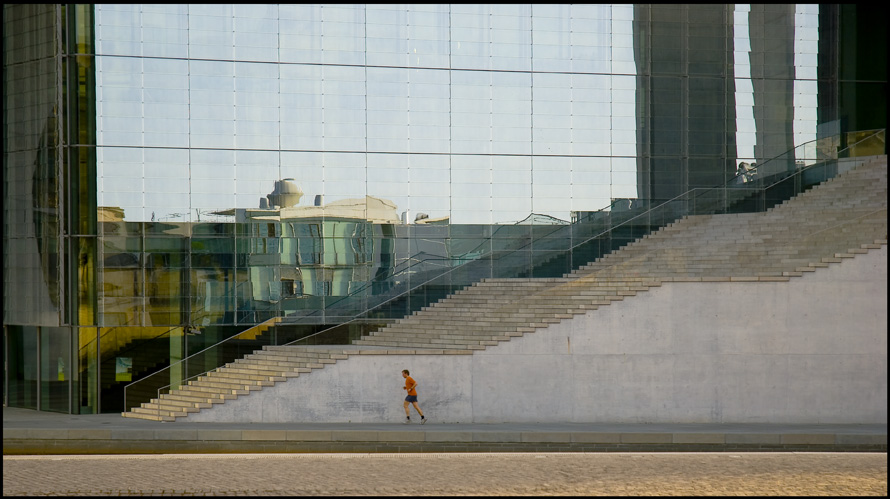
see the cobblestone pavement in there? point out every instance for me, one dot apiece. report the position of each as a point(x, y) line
point(821, 473)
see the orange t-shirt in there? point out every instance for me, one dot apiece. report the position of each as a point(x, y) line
point(410, 384)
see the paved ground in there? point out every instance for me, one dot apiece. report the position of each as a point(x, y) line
point(106, 454)
point(28, 432)
point(772, 473)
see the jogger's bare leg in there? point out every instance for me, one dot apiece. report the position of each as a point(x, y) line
point(415, 406)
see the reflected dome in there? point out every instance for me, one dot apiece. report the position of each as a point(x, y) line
point(285, 194)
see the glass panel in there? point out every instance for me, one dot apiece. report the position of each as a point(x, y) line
point(301, 87)
point(470, 36)
point(551, 38)
point(86, 387)
point(83, 264)
point(165, 31)
point(511, 37)
point(256, 32)
point(166, 184)
point(387, 41)
point(212, 183)
point(300, 33)
point(343, 34)
point(211, 32)
point(344, 108)
point(55, 369)
point(21, 366)
point(591, 183)
point(256, 106)
point(551, 188)
point(388, 104)
point(429, 35)
point(115, 33)
point(428, 104)
point(166, 103)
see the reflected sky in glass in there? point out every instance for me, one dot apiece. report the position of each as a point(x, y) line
point(806, 47)
point(478, 113)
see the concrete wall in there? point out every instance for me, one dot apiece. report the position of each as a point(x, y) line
point(812, 350)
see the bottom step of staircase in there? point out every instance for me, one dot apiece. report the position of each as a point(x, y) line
point(150, 417)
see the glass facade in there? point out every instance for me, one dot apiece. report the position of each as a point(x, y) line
point(178, 174)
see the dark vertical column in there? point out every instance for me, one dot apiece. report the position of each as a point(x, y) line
point(685, 97)
point(772, 74)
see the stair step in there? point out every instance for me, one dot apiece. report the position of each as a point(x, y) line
point(149, 417)
point(227, 388)
point(193, 398)
point(248, 384)
point(223, 393)
point(174, 402)
point(237, 375)
point(169, 407)
point(159, 412)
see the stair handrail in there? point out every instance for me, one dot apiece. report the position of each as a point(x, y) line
point(414, 262)
point(357, 318)
point(734, 180)
point(159, 335)
point(610, 229)
point(457, 258)
point(266, 323)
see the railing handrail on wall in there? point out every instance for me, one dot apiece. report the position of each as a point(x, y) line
point(267, 323)
point(359, 317)
point(734, 181)
point(626, 222)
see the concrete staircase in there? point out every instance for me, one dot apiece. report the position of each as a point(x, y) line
point(252, 372)
point(833, 221)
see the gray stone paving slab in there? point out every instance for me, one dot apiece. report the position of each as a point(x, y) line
point(546, 436)
point(808, 438)
point(355, 436)
point(754, 438)
point(309, 435)
point(219, 435)
point(699, 438)
point(497, 436)
point(404, 436)
point(596, 437)
point(861, 439)
point(450, 436)
point(647, 438)
point(134, 434)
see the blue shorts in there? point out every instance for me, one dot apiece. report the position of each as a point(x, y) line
point(411, 398)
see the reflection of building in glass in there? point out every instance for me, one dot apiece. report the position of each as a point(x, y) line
point(688, 71)
point(386, 145)
point(685, 99)
point(322, 250)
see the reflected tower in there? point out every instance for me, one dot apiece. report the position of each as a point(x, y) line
point(685, 97)
point(686, 92)
point(772, 75)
